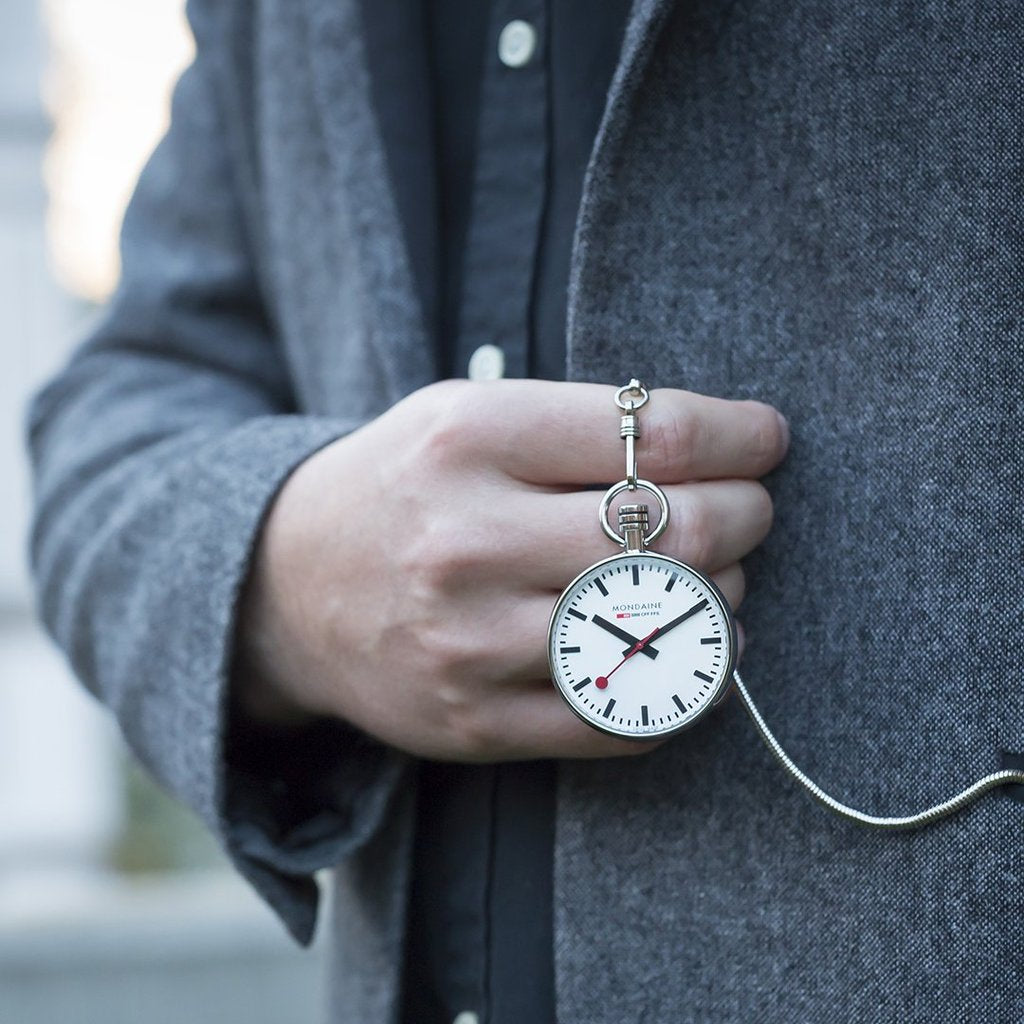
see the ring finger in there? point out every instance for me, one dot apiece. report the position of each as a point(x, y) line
point(713, 524)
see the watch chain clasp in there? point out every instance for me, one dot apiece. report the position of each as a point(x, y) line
point(631, 398)
point(633, 533)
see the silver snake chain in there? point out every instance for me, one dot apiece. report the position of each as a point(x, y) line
point(911, 821)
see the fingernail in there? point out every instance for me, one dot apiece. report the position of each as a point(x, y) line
point(784, 425)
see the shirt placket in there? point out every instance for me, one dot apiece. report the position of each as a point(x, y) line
point(509, 192)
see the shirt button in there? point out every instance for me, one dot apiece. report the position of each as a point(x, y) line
point(466, 1017)
point(487, 363)
point(516, 43)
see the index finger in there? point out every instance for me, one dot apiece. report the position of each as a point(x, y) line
point(552, 433)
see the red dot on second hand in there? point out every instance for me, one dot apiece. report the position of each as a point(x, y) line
point(601, 682)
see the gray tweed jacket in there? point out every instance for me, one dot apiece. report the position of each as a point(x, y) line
point(814, 202)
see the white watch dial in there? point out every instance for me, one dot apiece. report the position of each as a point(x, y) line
point(641, 645)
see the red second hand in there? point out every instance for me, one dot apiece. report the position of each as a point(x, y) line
point(602, 681)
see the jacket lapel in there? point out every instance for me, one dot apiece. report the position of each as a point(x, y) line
point(399, 305)
point(401, 89)
point(643, 28)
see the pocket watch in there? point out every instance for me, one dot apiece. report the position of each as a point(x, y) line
point(640, 645)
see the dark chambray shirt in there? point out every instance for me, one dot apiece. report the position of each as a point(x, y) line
point(516, 110)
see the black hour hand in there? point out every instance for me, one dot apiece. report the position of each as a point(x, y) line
point(624, 635)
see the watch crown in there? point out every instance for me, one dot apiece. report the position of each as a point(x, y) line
point(633, 524)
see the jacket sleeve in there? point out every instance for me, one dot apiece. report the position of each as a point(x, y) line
point(156, 454)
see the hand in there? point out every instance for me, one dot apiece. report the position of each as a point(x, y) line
point(601, 682)
point(679, 619)
point(405, 574)
point(622, 634)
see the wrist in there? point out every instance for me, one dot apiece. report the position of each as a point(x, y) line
point(262, 677)
point(257, 687)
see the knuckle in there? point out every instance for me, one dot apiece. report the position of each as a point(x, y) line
point(442, 656)
point(458, 719)
point(440, 394)
point(442, 555)
point(443, 437)
point(448, 416)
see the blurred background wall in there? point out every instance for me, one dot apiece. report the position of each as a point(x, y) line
point(114, 906)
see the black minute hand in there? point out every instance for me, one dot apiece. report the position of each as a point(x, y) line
point(623, 635)
point(699, 606)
